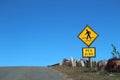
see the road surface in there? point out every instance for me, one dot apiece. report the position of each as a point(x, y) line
point(29, 73)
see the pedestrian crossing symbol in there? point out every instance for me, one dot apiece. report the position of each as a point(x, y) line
point(88, 35)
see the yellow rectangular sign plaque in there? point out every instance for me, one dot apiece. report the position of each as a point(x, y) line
point(89, 52)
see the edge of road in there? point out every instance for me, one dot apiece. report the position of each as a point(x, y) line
point(63, 74)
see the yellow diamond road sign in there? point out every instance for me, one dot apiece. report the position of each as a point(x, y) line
point(88, 35)
point(89, 52)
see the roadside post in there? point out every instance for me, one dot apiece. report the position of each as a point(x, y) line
point(88, 36)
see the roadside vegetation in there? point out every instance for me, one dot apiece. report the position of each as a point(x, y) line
point(78, 73)
point(101, 71)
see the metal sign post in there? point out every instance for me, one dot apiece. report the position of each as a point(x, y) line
point(89, 59)
point(88, 36)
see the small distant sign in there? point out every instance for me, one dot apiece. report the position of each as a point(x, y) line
point(89, 52)
point(88, 35)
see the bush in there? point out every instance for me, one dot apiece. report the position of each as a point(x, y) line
point(112, 65)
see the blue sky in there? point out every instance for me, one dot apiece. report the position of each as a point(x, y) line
point(43, 32)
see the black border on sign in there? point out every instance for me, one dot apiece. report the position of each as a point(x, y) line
point(89, 57)
point(92, 41)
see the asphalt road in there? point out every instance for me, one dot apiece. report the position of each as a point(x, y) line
point(29, 73)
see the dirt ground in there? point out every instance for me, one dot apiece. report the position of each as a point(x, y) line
point(78, 73)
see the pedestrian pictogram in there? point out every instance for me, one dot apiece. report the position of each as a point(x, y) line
point(89, 52)
point(88, 35)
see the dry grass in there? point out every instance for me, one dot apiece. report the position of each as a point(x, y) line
point(84, 73)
